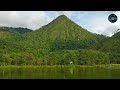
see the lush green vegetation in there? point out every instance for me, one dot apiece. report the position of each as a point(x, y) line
point(62, 34)
point(58, 43)
point(112, 44)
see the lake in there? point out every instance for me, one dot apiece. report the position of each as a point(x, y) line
point(59, 72)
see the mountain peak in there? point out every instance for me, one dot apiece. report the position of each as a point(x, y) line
point(60, 20)
point(62, 16)
point(63, 33)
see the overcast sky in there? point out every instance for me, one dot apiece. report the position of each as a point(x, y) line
point(93, 21)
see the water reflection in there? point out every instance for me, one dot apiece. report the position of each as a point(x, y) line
point(71, 70)
point(59, 73)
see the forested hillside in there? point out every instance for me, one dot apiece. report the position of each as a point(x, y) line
point(62, 34)
point(57, 43)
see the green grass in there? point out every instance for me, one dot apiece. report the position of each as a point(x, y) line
point(53, 66)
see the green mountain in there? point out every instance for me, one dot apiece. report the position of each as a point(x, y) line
point(15, 30)
point(57, 43)
point(112, 44)
point(61, 34)
point(10, 38)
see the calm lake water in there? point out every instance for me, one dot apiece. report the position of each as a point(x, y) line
point(60, 73)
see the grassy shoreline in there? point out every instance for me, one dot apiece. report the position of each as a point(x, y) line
point(40, 66)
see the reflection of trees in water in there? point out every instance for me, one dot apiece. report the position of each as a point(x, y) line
point(67, 72)
point(59, 73)
point(71, 70)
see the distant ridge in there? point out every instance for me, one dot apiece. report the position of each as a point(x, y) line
point(15, 30)
point(112, 44)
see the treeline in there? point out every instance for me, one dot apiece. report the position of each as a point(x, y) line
point(63, 57)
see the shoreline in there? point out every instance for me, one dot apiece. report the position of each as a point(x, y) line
point(47, 66)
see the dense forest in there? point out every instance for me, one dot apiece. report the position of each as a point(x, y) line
point(58, 43)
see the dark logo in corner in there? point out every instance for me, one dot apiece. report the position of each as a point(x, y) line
point(112, 18)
